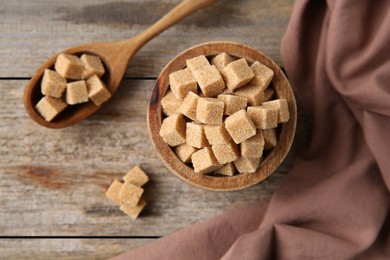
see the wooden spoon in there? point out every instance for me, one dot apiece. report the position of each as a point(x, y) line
point(115, 56)
point(271, 158)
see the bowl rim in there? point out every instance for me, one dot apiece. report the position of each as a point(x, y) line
point(223, 183)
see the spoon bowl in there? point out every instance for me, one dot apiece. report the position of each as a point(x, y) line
point(115, 64)
point(115, 56)
point(272, 158)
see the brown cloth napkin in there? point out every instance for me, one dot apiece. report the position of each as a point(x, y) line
point(334, 203)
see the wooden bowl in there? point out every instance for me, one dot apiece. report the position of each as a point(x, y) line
point(222, 183)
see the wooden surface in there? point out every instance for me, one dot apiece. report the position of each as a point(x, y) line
point(53, 181)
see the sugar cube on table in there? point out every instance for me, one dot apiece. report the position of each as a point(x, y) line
point(204, 161)
point(69, 66)
point(189, 105)
point(221, 60)
point(133, 211)
point(136, 176)
point(264, 117)
point(225, 153)
point(240, 126)
point(270, 139)
point(254, 146)
point(182, 82)
point(113, 191)
point(263, 75)
point(217, 134)
point(49, 107)
point(97, 90)
point(282, 107)
point(232, 103)
point(247, 165)
point(184, 152)
point(53, 84)
point(228, 170)
point(173, 130)
point(170, 104)
point(195, 136)
point(210, 111)
point(76, 92)
point(92, 66)
point(130, 194)
point(237, 74)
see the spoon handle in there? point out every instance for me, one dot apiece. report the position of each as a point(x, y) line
point(179, 12)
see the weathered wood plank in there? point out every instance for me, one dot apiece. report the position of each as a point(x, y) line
point(32, 31)
point(53, 181)
point(62, 249)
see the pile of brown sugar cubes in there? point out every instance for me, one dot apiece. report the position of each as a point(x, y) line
point(75, 80)
point(128, 194)
point(225, 127)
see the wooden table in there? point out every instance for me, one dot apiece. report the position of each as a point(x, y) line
point(52, 182)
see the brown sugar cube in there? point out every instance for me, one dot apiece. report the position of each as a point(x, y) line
point(227, 91)
point(252, 93)
point(247, 165)
point(232, 103)
point(113, 191)
point(97, 91)
point(221, 60)
point(69, 66)
point(210, 111)
point(76, 92)
point(189, 105)
point(268, 94)
point(264, 117)
point(240, 126)
point(170, 104)
point(50, 107)
point(195, 135)
point(270, 139)
point(226, 152)
point(208, 77)
point(53, 84)
point(282, 107)
point(136, 176)
point(217, 134)
point(204, 161)
point(130, 194)
point(173, 130)
point(197, 63)
point(184, 152)
point(254, 146)
point(263, 75)
point(134, 211)
point(92, 66)
point(237, 74)
point(210, 81)
point(228, 170)
point(182, 82)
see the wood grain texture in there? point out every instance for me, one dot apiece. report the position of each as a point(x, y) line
point(64, 249)
point(33, 31)
point(53, 181)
